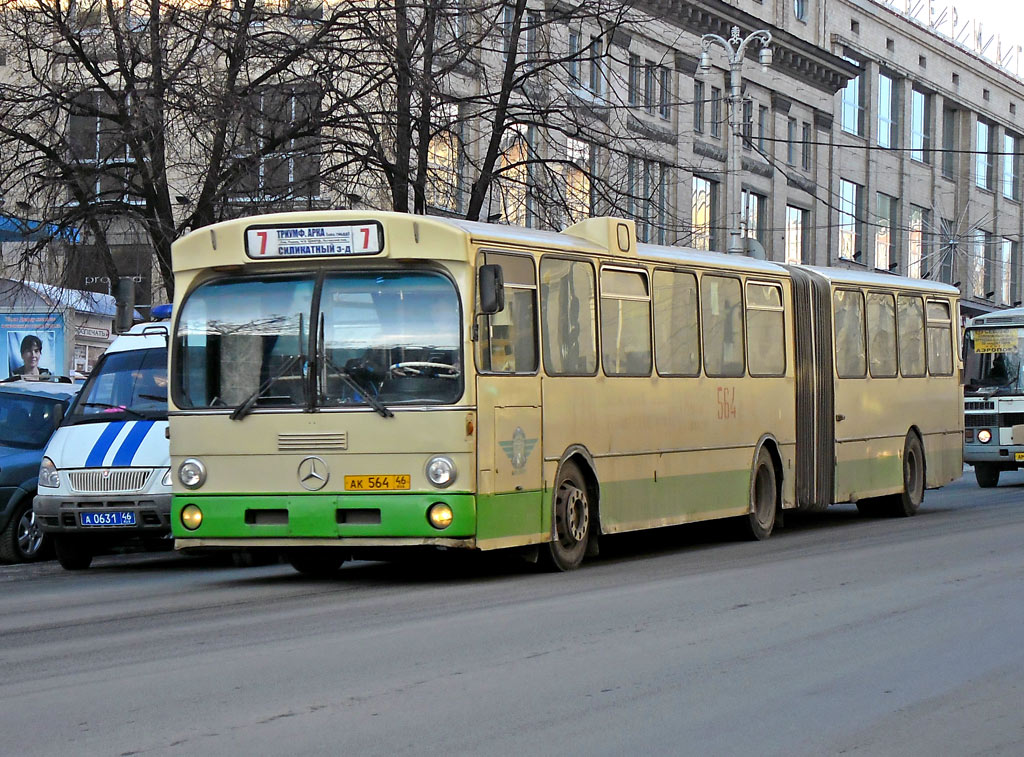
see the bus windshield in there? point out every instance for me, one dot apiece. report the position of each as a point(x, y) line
point(380, 337)
point(124, 386)
point(992, 361)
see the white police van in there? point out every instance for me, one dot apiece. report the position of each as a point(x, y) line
point(105, 474)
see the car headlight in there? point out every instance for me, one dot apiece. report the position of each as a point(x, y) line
point(441, 471)
point(166, 480)
point(192, 473)
point(48, 475)
point(984, 436)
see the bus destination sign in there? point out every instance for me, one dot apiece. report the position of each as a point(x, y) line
point(314, 240)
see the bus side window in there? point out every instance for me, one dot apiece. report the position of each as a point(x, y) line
point(910, 320)
point(721, 310)
point(508, 343)
point(882, 328)
point(848, 307)
point(767, 344)
point(625, 323)
point(676, 350)
point(567, 300)
point(940, 349)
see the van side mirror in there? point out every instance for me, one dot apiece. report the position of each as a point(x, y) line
point(491, 287)
point(57, 414)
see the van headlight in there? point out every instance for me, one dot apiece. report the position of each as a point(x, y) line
point(192, 473)
point(441, 471)
point(48, 475)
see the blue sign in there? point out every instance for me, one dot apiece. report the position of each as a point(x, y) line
point(31, 344)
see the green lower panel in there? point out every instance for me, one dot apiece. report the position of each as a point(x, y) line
point(868, 477)
point(232, 516)
point(503, 516)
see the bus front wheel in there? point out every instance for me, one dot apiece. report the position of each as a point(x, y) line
point(316, 561)
point(987, 475)
point(764, 498)
point(571, 521)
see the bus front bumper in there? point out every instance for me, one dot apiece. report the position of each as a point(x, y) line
point(1010, 456)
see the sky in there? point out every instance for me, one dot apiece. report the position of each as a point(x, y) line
point(1002, 17)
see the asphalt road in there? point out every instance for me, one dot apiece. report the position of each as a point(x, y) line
point(840, 635)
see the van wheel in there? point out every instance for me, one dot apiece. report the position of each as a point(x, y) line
point(23, 540)
point(570, 521)
point(987, 475)
point(72, 553)
point(321, 562)
point(764, 498)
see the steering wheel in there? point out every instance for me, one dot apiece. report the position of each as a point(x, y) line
point(420, 368)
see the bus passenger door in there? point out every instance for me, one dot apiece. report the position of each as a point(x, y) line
point(510, 486)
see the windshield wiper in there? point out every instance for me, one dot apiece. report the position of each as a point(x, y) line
point(249, 402)
point(355, 386)
point(119, 408)
point(157, 397)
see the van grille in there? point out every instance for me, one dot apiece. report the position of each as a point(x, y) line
point(316, 442)
point(109, 479)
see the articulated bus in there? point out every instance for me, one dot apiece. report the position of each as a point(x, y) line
point(344, 382)
point(994, 394)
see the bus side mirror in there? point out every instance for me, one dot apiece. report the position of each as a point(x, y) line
point(491, 286)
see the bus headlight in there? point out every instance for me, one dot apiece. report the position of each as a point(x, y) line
point(48, 475)
point(191, 517)
point(192, 473)
point(441, 471)
point(440, 515)
point(984, 436)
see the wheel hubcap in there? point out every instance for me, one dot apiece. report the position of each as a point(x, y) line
point(30, 536)
point(575, 515)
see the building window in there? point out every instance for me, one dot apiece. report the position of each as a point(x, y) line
point(650, 86)
point(983, 157)
point(704, 202)
point(949, 142)
point(443, 159)
point(805, 160)
point(762, 129)
point(647, 198)
point(797, 227)
point(577, 180)
point(945, 253)
point(98, 148)
point(508, 17)
point(716, 112)
point(747, 127)
point(791, 140)
point(698, 106)
point(574, 59)
point(888, 123)
point(800, 9)
point(634, 79)
point(885, 232)
point(920, 127)
point(853, 105)
point(596, 60)
point(665, 92)
point(918, 258)
point(753, 206)
point(1011, 183)
point(979, 273)
point(533, 24)
point(1006, 256)
point(515, 180)
point(850, 232)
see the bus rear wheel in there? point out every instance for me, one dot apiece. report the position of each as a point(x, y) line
point(987, 475)
point(316, 561)
point(764, 498)
point(571, 521)
point(908, 502)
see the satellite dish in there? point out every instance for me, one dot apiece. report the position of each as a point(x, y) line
point(754, 249)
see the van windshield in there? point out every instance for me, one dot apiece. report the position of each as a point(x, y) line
point(124, 386)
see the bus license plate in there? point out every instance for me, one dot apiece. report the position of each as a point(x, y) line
point(115, 518)
point(391, 482)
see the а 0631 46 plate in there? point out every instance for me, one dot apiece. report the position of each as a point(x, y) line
point(390, 482)
point(115, 518)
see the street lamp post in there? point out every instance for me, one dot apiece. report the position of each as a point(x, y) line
point(735, 47)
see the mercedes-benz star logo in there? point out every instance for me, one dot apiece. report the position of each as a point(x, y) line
point(313, 473)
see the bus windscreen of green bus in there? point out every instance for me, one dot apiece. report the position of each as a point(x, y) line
point(992, 361)
point(390, 337)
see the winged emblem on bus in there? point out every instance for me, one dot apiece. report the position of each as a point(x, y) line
point(519, 449)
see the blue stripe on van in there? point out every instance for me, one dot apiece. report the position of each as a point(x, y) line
point(102, 445)
point(131, 444)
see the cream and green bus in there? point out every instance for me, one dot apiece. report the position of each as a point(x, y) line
point(344, 382)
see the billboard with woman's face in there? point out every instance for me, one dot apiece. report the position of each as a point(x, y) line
point(32, 344)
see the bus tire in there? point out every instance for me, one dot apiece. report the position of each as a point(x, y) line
point(570, 521)
point(987, 475)
point(72, 553)
point(908, 502)
point(321, 562)
point(764, 498)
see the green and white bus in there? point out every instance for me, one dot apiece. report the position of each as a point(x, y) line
point(347, 381)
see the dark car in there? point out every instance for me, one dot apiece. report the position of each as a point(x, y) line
point(30, 411)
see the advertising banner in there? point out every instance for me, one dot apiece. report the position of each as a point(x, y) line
point(31, 344)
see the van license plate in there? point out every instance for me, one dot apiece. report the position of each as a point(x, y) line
point(390, 482)
point(114, 518)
